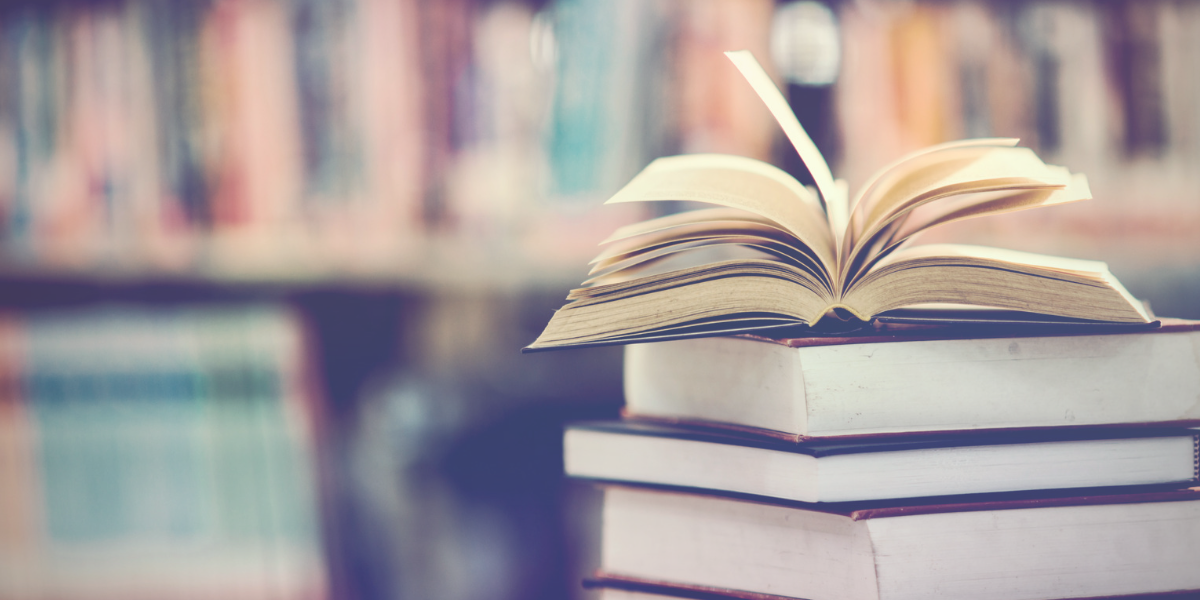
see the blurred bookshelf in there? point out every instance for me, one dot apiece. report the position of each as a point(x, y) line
point(146, 448)
point(344, 140)
point(378, 202)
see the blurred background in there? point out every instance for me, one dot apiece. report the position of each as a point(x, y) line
point(266, 266)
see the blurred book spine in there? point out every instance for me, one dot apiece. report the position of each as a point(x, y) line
point(372, 138)
point(160, 453)
point(1099, 87)
point(315, 139)
point(208, 136)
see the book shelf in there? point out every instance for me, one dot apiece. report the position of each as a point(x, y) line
point(438, 267)
point(416, 185)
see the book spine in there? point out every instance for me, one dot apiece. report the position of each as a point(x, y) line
point(198, 423)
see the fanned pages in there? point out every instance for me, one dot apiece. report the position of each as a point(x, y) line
point(772, 252)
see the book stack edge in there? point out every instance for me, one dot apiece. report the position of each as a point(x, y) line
point(933, 465)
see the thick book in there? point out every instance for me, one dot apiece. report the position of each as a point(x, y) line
point(882, 467)
point(938, 379)
point(773, 252)
point(1023, 549)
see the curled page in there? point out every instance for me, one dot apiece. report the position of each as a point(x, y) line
point(835, 199)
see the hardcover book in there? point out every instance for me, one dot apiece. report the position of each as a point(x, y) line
point(1035, 548)
point(936, 379)
point(882, 467)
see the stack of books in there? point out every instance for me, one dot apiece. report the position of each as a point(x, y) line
point(991, 424)
point(952, 462)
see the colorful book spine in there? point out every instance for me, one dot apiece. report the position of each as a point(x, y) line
point(146, 450)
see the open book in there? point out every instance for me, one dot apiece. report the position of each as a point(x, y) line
point(815, 256)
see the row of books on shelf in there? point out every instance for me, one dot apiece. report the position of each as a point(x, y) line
point(152, 453)
point(133, 131)
point(344, 137)
point(946, 463)
point(316, 137)
point(1103, 88)
point(1086, 84)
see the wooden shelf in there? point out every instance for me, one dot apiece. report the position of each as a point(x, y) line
point(440, 266)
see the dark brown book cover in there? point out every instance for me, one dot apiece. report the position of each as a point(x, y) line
point(862, 510)
point(931, 329)
point(675, 590)
point(696, 592)
point(883, 512)
point(783, 436)
point(867, 444)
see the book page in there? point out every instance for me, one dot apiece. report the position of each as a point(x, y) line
point(995, 277)
point(620, 267)
point(952, 167)
point(910, 162)
point(971, 206)
point(711, 270)
point(945, 174)
point(764, 86)
point(697, 217)
point(708, 232)
point(684, 231)
point(671, 262)
point(763, 243)
point(716, 293)
point(1069, 266)
point(981, 205)
point(736, 182)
